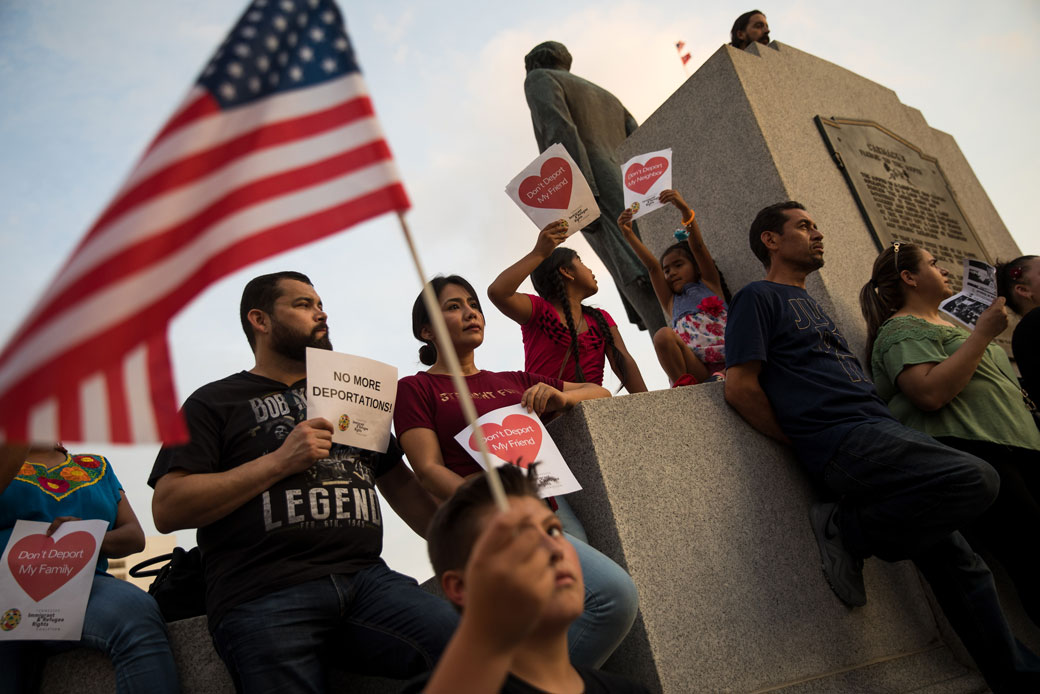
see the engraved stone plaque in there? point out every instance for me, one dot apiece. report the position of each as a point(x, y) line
point(903, 195)
point(901, 191)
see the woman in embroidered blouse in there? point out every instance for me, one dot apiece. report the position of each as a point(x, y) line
point(121, 620)
point(960, 388)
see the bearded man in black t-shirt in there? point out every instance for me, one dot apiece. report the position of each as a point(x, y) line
point(289, 523)
point(900, 493)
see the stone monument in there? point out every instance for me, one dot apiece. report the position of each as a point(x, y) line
point(746, 130)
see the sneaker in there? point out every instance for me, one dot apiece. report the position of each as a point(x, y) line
point(844, 572)
point(716, 377)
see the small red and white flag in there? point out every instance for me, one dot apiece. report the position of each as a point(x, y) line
point(684, 57)
point(275, 146)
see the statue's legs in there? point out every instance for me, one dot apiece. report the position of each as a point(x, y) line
point(629, 275)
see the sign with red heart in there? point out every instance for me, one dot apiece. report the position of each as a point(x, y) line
point(41, 565)
point(645, 176)
point(516, 440)
point(552, 187)
point(640, 177)
point(45, 581)
point(517, 437)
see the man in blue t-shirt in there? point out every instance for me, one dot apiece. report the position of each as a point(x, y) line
point(901, 494)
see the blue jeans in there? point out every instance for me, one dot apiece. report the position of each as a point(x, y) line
point(611, 602)
point(121, 621)
point(903, 495)
point(374, 622)
point(611, 599)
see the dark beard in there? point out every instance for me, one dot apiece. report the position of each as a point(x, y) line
point(292, 345)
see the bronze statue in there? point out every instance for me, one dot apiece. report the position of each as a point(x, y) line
point(590, 122)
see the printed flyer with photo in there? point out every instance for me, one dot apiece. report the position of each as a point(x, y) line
point(45, 581)
point(978, 292)
point(519, 438)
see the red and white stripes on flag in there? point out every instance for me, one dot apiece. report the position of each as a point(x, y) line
point(220, 187)
point(684, 57)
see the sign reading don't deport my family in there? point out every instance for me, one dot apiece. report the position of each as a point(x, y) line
point(354, 393)
point(45, 581)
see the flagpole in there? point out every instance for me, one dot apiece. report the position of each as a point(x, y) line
point(445, 348)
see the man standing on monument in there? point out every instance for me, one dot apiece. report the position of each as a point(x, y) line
point(289, 523)
point(750, 27)
point(591, 123)
point(901, 494)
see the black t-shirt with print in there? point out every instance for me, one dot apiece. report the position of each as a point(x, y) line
point(322, 521)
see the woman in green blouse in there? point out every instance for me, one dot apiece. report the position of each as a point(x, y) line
point(960, 388)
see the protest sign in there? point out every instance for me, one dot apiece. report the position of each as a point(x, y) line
point(354, 393)
point(552, 187)
point(645, 176)
point(519, 438)
point(978, 291)
point(45, 581)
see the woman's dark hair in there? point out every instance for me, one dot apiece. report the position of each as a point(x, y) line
point(421, 318)
point(548, 282)
point(1008, 275)
point(684, 248)
point(882, 295)
point(741, 25)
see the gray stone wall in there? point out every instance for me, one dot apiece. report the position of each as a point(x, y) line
point(711, 519)
point(743, 137)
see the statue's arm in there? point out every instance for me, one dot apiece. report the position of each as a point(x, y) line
point(553, 122)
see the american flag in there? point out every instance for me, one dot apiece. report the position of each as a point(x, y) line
point(275, 145)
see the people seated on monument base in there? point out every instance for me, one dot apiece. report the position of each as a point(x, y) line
point(428, 416)
point(959, 387)
point(690, 289)
point(517, 581)
point(894, 492)
point(294, 588)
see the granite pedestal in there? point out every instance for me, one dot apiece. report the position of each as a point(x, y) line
point(742, 135)
point(711, 520)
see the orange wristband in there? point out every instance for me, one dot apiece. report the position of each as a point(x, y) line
point(688, 222)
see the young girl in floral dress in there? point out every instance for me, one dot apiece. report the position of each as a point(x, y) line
point(691, 290)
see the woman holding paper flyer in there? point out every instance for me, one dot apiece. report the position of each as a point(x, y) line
point(428, 416)
point(960, 388)
point(563, 338)
point(121, 620)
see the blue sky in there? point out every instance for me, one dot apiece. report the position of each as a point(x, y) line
point(85, 85)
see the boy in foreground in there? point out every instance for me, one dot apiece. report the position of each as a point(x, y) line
point(518, 584)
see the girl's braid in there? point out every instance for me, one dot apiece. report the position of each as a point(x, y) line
point(608, 337)
point(559, 291)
